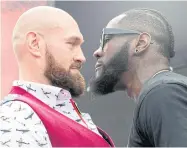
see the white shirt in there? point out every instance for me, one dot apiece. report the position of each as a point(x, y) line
point(21, 127)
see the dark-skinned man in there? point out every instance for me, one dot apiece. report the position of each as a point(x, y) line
point(134, 56)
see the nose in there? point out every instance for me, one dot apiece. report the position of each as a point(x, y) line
point(80, 57)
point(98, 53)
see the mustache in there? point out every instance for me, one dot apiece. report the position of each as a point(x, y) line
point(77, 65)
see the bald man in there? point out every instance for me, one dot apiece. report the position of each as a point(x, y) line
point(39, 110)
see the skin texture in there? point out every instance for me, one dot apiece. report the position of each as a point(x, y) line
point(127, 61)
point(47, 44)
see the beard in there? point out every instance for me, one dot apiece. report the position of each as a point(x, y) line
point(111, 72)
point(60, 77)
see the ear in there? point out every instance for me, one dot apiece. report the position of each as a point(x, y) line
point(33, 43)
point(143, 43)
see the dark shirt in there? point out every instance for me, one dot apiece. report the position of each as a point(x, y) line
point(160, 119)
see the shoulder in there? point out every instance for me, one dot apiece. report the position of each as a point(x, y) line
point(164, 93)
point(20, 123)
point(164, 99)
point(17, 111)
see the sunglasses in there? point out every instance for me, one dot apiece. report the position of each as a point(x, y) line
point(115, 31)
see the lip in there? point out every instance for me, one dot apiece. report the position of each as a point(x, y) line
point(77, 68)
point(98, 65)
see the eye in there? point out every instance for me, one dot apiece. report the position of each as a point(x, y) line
point(107, 40)
point(71, 43)
point(108, 37)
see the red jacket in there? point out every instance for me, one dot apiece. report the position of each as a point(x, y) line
point(62, 131)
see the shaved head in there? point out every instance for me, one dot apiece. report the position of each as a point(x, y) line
point(42, 18)
point(152, 22)
point(47, 43)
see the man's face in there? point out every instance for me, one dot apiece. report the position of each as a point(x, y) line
point(64, 59)
point(112, 62)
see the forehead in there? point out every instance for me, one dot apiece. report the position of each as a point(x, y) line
point(73, 34)
point(70, 33)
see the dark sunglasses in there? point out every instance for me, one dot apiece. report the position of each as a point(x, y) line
point(115, 31)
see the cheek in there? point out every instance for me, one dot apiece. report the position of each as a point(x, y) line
point(109, 52)
point(62, 55)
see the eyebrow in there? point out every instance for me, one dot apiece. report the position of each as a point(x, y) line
point(75, 39)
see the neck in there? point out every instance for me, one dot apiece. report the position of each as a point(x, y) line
point(32, 75)
point(136, 79)
point(147, 73)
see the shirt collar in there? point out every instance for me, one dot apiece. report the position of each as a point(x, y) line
point(48, 94)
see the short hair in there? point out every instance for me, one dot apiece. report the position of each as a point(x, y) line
point(154, 23)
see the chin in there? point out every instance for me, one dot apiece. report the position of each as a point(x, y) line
point(75, 70)
point(100, 88)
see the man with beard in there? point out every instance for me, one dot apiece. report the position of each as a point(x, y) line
point(39, 110)
point(134, 55)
